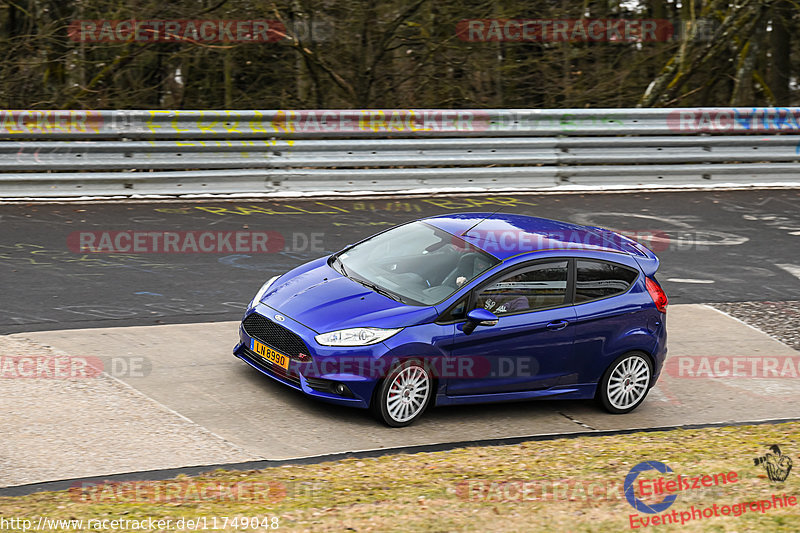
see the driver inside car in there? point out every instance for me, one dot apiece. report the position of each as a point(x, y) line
point(505, 296)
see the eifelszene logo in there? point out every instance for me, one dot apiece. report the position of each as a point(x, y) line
point(630, 493)
point(669, 487)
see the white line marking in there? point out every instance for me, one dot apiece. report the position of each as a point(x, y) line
point(794, 270)
point(690, 280)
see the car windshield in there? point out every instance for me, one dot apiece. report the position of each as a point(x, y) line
point(415, 263)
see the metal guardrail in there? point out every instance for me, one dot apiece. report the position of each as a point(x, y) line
point(113, 153)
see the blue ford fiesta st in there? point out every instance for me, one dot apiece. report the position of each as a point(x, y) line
point(465, 308)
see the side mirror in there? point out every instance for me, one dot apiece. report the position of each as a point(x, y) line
point(479, 317)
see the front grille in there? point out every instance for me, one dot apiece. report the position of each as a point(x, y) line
point(275, 370)
point(274, 335)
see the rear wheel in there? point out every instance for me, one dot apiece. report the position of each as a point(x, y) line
point(403, 396)
point(625, 383)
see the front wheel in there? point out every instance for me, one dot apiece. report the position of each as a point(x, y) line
point(405, 393)
point(625, 384)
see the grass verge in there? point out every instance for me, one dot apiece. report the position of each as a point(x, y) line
point(558, 485)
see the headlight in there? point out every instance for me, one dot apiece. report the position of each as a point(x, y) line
point(355, 336)
point(264, 288)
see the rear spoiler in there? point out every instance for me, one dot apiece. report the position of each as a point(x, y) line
point(646, 259)
point(649, 263)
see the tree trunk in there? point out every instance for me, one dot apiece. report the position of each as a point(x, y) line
point(744, 90)
point(227, 75)
point(781, 47)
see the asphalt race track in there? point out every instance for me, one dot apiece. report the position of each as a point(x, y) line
point(734, 246)
point(714, 247)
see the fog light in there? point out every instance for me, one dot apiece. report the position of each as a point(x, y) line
point(340, 389)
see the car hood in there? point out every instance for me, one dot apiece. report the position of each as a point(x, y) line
point(320, 298)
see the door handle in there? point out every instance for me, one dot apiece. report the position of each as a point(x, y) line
point(557, 325)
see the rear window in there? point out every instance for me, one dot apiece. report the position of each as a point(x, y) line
point(600, 279)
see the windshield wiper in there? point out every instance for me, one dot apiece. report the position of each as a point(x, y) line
point(380, 290)
point(341, 266)
point(369, 285)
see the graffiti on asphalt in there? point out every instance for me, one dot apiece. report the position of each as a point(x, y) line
point(326, 208)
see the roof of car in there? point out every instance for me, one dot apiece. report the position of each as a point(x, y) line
point(506, 235)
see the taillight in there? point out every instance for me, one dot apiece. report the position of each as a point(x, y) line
point(657, 294)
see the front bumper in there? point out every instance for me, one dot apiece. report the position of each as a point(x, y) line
point(355, 368)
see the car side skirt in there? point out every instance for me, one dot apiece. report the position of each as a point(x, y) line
point(573, 392)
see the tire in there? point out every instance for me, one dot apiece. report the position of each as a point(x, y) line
point(403, 395)
point(625, 383)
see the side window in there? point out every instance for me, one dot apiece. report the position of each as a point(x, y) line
point(597, 279)
point(536, 287)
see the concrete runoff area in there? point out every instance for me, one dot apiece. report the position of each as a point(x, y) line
point(188, 401)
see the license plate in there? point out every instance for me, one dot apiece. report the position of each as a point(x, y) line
point(269, 354)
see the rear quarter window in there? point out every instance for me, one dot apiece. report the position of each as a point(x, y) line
point(600, 279)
